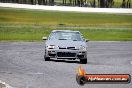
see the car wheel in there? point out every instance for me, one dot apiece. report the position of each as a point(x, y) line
point(46, 58)
point(83, 61)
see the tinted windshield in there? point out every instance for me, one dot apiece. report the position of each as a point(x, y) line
point(59, 35)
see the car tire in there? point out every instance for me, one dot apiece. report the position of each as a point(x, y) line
point(46, 58)
point(83, 61)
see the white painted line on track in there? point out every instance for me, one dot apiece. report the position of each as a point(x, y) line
point(37, 73)
point(130, 62)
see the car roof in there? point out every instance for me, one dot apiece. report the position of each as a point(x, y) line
point(64, 31)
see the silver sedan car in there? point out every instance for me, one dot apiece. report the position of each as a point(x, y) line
point(65, 44)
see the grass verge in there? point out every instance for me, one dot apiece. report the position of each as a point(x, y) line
point(29, 25)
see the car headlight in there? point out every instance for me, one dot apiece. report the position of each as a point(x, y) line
point(51, 46)
point(82, 48)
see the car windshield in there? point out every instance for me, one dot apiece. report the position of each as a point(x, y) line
point(59, 35)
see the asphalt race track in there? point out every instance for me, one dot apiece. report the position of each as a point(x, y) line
point(22, 65)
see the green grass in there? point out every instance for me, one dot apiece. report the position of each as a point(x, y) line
point(31, 25)
point(18, 16)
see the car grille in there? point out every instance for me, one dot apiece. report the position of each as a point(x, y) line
point(71, 48)
point(62, 48)
point(66, 54)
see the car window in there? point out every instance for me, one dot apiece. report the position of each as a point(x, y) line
point(75, 36)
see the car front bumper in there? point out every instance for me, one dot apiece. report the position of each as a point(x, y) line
point(65, 54)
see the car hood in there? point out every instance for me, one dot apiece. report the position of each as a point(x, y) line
point(66, 43)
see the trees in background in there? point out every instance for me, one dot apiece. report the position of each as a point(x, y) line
point(110, 3)
point(126, 4)
point(33, 2)
point(106, 3)
point(90, 3)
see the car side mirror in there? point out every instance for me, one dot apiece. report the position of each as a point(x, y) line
point(86, 40)
point(44, 38)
